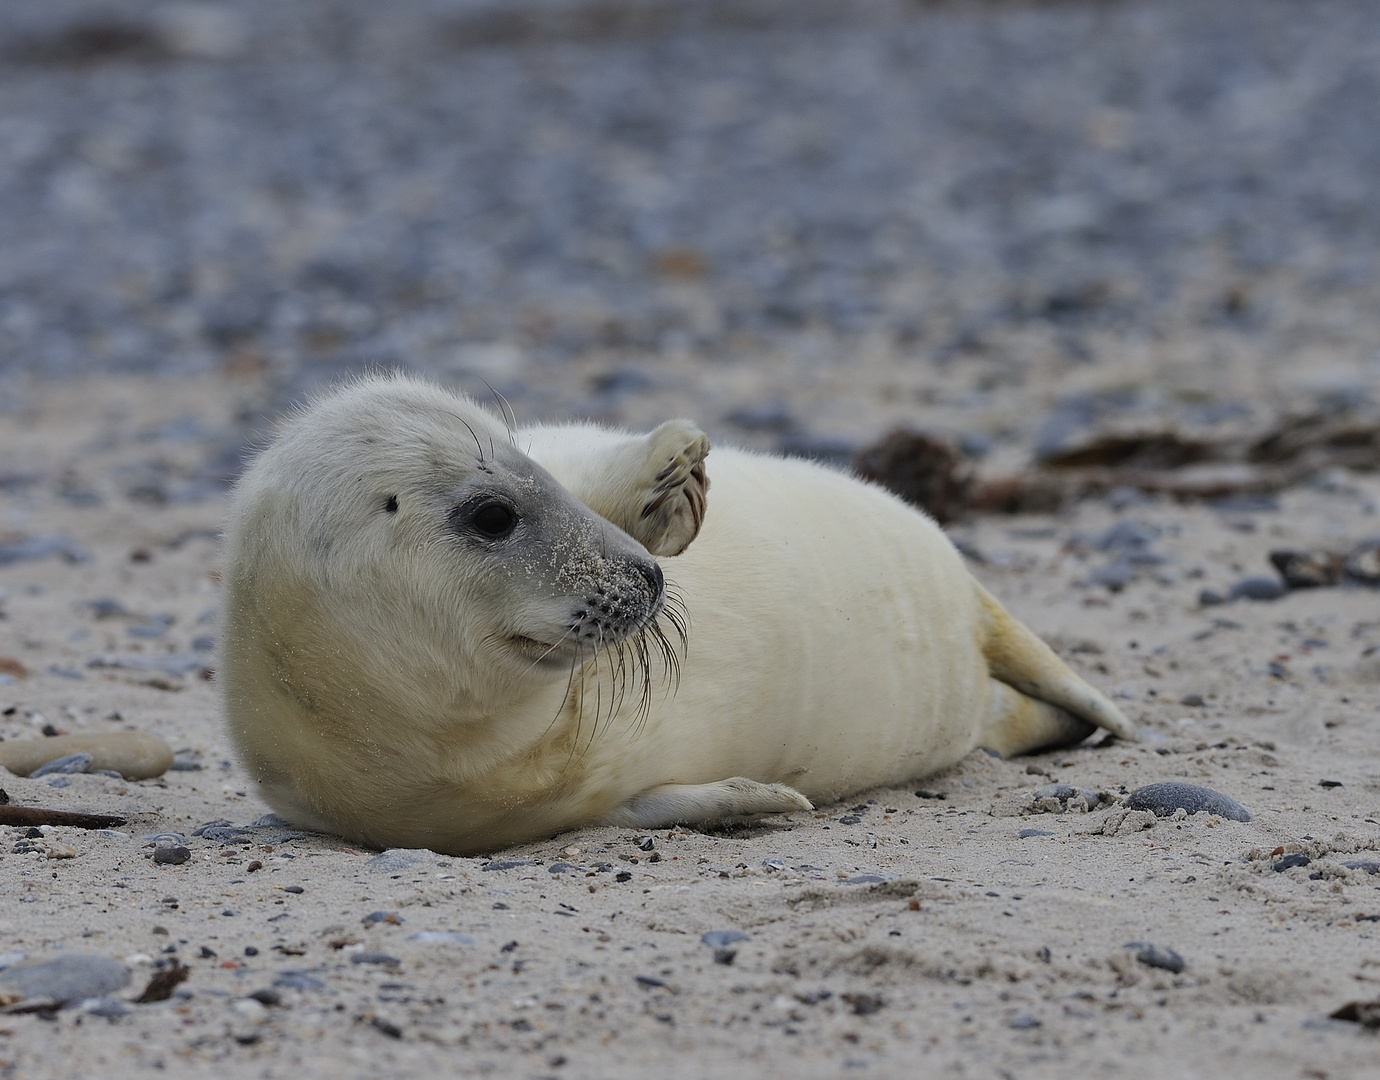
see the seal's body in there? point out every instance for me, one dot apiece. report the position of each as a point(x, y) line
point(434, 641)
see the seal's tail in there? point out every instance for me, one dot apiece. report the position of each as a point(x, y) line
point(1050, 705)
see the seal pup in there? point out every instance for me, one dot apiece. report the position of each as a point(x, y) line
point(443, 633)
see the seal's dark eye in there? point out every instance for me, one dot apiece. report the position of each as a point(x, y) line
point(494, 520)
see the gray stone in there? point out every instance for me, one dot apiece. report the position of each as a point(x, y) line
point(67, 764)
point(717, 939)
point(396, 860)
point(1163, 799)
point(67, 977)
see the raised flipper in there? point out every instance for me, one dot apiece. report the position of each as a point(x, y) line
point(1039, 701)
point(671, 804)
point(651, 486)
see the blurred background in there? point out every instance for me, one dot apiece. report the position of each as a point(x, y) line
point(800, 221)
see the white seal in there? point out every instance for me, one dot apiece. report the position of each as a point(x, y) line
point(443, 633)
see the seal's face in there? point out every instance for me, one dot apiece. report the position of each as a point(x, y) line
point(399, 536)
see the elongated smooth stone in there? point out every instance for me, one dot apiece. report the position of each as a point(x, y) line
point(135, 755)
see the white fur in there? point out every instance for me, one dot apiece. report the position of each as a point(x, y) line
point(836, 641)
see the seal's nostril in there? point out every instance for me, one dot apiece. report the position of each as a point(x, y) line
point(652, 573)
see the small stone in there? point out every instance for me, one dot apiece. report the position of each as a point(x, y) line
point(926, 793)
point(561, 868)
point(296, 890)
point(1193, 701)
point(378, 958)
point(1258, 588)
point(506, 864)
point(717, 939)
point(725, 956)
point(67, 977)
point(623, 875)
point(441, 937)
point(1210, 598)
point(849, 819)
point(386, 1027)
point(396, 860)
point(1365, 1013)
point(1024, 1023)
point(1307, 569)
point(61, 851)
point(1156, 957)
point(1164, 798)
point(1365, 865)
point(864, 1004)
point(1329, 783)
point(68, 764)
point(1363, 562)
point(298, 980)
point(267, 997)
point(171, 854)
point(1291, 861)
point(647, 843)
point(392, 918)
point(1025, 834)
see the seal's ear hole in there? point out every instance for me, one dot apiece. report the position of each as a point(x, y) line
point(392, 504)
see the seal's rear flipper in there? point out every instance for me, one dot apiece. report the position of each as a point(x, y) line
point(1016, 657)
point(670, 804)
point(1022, 725)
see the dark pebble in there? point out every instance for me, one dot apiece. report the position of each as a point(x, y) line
point(1193, 701)
point(1307, 569)
point(1210, 598)
point(296, 890)
point(717, 939)
point(650, 980)
point(1027, 833)
point(864, 1004)
point(381, 959)
point(386, 1027)
point(171, 854)
point(392, 918)
point(647, 843)
point(725, 956)
point(925, 793)
point(70, 764)
point(1156, 957)
point(1363, 864)
point(623, 875)
point(849, 819)
point(207, 953)
point(1258, 588)
point(1329, 783)
point(507, 864)
point(561, 868)
point(249, 950)
point(1291, 861)
point(1163, 799)
point(1024, 1023)
point(267, 997)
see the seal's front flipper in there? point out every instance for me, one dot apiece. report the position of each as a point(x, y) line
point(670, 804)
point(651, 486)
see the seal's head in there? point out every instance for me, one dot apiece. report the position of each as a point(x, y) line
point(394, 555)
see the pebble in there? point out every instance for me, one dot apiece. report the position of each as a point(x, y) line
point(67, 977)
point(507, 864)
point(441, 937)
point(381, 959)
point(1367, 865)
point(1065, 792)
point(1363, 562)
point(1164, 798)
point(1027, 833)
point(170, 854)
point(107, 1007)
point(136, 755)
point(718, 939)
point(68, 764)
point(1258, 588)
point(562, 868)
point(392, 918)
point(298, 980)
point(1157, 957)
point(1291, 861)
point(396, 860)
point(1307, 569)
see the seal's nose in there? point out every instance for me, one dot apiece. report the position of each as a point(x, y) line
point(655, 580)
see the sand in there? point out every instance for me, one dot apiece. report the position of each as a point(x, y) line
point(897, 934)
